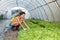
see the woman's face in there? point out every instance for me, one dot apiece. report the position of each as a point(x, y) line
point(22, 16)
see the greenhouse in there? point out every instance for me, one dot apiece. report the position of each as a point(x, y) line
point(29, 19)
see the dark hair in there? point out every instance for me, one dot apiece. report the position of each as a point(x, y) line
point(20, 13)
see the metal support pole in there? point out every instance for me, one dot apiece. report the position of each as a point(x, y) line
point(50, 10)
point(40, 9)
point(42, 5)
point(44, 11)
point(17, 2)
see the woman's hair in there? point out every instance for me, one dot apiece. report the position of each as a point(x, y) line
point(21, 13)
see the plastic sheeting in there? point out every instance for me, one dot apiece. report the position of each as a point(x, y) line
point(48, 10)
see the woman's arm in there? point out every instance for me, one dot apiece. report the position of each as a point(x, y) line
point(14, 23)
point(20, 22)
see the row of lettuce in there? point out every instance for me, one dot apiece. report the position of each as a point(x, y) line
point(50, 31)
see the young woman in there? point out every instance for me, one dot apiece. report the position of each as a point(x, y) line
point(17, 21)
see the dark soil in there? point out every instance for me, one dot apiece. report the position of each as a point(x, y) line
point(41, 25)
point(11, 35)
point(33, 22)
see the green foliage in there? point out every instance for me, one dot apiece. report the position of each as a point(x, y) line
point(1, 16)
point(50, 32)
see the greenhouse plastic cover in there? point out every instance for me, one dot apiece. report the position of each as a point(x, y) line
point(48, 10)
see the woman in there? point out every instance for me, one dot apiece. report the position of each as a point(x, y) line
point(17, 21)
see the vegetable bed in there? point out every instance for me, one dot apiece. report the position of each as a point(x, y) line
point(40, 30)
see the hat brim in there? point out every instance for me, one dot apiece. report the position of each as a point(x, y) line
point(15, 14)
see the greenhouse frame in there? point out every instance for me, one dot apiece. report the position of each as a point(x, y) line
point(42, 17)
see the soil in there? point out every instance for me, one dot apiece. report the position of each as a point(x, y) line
point(33, 22)
point(11, 35)
point(41, 25)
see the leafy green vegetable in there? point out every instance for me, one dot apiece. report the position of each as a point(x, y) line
point(50, 32)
